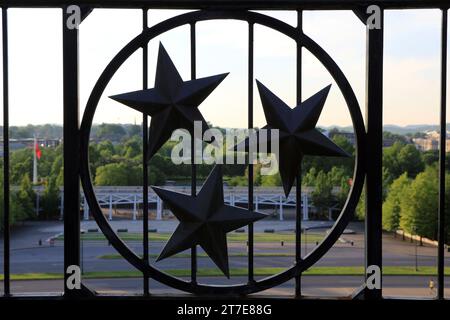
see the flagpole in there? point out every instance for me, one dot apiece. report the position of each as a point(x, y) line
point(35, 161)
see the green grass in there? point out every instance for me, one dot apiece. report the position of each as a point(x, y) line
point(232, 237)
point(213, 272)
point(203, 255)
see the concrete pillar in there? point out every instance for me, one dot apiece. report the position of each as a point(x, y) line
point(305, 208)
point(85, 210)
point(37, 203)
point(61, 206)
point(330, 214)
point(158, 208)
point(110, 207)
point(134, 207)
point(281, 208)
point(257, 203)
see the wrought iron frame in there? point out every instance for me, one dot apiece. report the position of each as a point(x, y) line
point(369, 137)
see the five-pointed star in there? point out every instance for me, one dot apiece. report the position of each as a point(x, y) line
point(205, 220)
point(172, 103)
point(297, 133)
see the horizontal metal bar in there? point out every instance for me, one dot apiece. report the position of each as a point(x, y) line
point(244, 4)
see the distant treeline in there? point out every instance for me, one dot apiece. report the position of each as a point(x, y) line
point(108, 131)
point(117, 132)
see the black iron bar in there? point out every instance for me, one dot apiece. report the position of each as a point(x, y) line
point(193, 166)
point(298, 193)
point(442, 152)
point(251, 277)
point(245, 4)
point(71, 150)
point(6, 231)
point(374, 151)
point(144, 156)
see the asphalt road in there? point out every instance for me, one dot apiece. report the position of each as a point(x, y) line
point(28, 257)
point(48, 258)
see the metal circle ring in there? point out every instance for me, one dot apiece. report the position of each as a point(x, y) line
point(359, 170)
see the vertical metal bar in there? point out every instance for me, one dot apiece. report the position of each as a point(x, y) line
point(442, 153)
point(6, 231)
point(298, 193)
point(144, 156)
point(193, 166)
point(71, 150)
point(374, 128)
point(250, 165)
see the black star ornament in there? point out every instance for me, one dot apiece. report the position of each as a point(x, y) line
point(298, 135)
point(172, 103)
point(205, 220)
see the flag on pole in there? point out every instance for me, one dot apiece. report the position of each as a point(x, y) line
point(36, 155)
point(37, 150)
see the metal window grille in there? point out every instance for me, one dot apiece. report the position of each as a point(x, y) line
point(369, 137)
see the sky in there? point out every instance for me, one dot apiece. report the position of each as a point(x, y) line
point(411, 71)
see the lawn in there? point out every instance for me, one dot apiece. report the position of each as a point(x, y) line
point(212, 272)
point(204, 255)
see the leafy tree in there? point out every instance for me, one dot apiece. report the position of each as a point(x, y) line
point(21, 162)
point(327, 163)
point(391, 207)
point(430, 157)
point(310, 177)
point(389, 136)
point(133, 148)
point(110, 131)
point(419, 205)
point(271, 181)
point(322, 195)
point(360, 213)
point(60, 177)
point(400, 158)
point(50, 199)
point(134, 130)
point(14, 210)
point(118, 174)
point(25, 198)
point(237, 181)
point(410, 160)
point(105, 151)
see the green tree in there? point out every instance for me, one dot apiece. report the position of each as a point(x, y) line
point(14, 210)
point(50, 199)
point(391, 207)
point(310, 177)
point(419, 205)
point(110, 131)
point(21, 164)
point(410, 160)
point(25, 197)
point(322, 195)
point(118, 174)
point(400, 158)
point(273, 180)
point(60, 177)
point(360, 213)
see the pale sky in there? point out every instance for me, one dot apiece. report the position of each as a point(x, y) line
point(411, 73)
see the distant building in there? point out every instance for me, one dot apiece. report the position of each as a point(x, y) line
point(350, 136)
point(16, 144)
point(430, 142)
